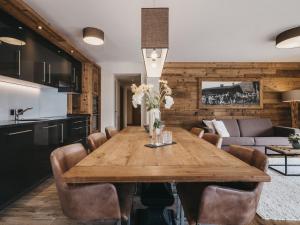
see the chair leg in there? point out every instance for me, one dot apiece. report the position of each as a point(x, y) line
point(123, 222)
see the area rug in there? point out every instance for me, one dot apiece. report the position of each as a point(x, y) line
point(280, 199)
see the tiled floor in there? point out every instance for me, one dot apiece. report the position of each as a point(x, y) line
point(41, 207)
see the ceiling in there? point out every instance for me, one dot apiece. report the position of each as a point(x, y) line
point(200, 30)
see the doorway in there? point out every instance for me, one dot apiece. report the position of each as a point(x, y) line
point(126, 114)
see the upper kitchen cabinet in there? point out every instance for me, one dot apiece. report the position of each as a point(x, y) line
point(51, 65)
point(26, 55)
point(11, 43)
point(76, 76)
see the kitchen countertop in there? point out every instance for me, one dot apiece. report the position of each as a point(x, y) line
point(13, 123)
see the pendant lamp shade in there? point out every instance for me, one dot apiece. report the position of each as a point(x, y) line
point(291, 96)
point(155, 39)
point(93, 36)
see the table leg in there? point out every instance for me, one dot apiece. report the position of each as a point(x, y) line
point(181, 216)
point(285, 164)
point(266, 150)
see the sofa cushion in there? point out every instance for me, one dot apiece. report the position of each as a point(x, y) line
point(209, 124)
point(220, 128)
point(271, 141)
point(256, 127)
point(232, 127)
point(238, 141)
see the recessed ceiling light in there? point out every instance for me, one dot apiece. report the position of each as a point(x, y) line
point(40, 27)
point(289, 38)
point(93, 36)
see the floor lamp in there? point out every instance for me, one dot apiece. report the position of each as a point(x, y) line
point(293, 97)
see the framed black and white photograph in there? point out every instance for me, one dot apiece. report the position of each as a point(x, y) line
point(224, 94)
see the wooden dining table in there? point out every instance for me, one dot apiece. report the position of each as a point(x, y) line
point(125, 158)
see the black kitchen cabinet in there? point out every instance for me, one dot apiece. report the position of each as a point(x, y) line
point(26, 149)
point(32, 58)
point(9, 60)
point(78, 130)
point(9, 53)
point(76, 76)
point(16, 153)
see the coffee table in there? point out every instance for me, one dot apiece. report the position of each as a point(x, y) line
point(286, 152)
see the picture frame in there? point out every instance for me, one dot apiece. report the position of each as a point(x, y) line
point(234, 93)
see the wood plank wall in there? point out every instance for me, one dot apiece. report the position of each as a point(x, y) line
point(184, 79)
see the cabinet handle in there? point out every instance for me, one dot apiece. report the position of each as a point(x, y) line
point(19, 59)
point(62, 133)
point(74, 75)
point(44, 72)
point(76, 83)
point(49, 70)
point(19, 132)
point(77, 128)
point(49, 127)
point(78, 122)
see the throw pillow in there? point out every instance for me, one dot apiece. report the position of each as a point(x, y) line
point(210, 125)
point(220, 128)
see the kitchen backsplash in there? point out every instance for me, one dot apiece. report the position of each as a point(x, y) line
point(46, 102)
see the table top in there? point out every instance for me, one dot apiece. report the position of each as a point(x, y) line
point(285, 150)
point(124, 158)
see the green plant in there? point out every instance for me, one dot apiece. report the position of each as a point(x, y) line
point(157, 124)
point(294, 138)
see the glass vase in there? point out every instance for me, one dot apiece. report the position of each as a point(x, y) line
point(153, 114)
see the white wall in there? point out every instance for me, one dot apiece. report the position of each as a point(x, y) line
point(108, 72)
point(46, 102)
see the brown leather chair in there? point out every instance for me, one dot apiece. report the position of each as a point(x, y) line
point(110, 132)
point(91, 201)
point(95, 140)
point(197, 131)
point(224, 203)
point(214, 139)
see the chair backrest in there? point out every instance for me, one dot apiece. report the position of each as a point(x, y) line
point(237, 202)
point(64, 158)
point(197, 131)
point(110, 132)
point(254, 158)
point(250, 156)
point(95, 140)
point(214, 139)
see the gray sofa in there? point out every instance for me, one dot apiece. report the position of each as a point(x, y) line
point(256, 133)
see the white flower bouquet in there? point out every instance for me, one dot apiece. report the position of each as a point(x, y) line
point(153, 99)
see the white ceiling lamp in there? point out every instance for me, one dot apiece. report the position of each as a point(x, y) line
point(93, 36)
point(289, 38)
point(12, 37)
point(155, 39)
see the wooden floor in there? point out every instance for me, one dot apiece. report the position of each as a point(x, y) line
point(41, 207)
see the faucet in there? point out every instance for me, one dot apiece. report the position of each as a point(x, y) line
point(19, 112)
